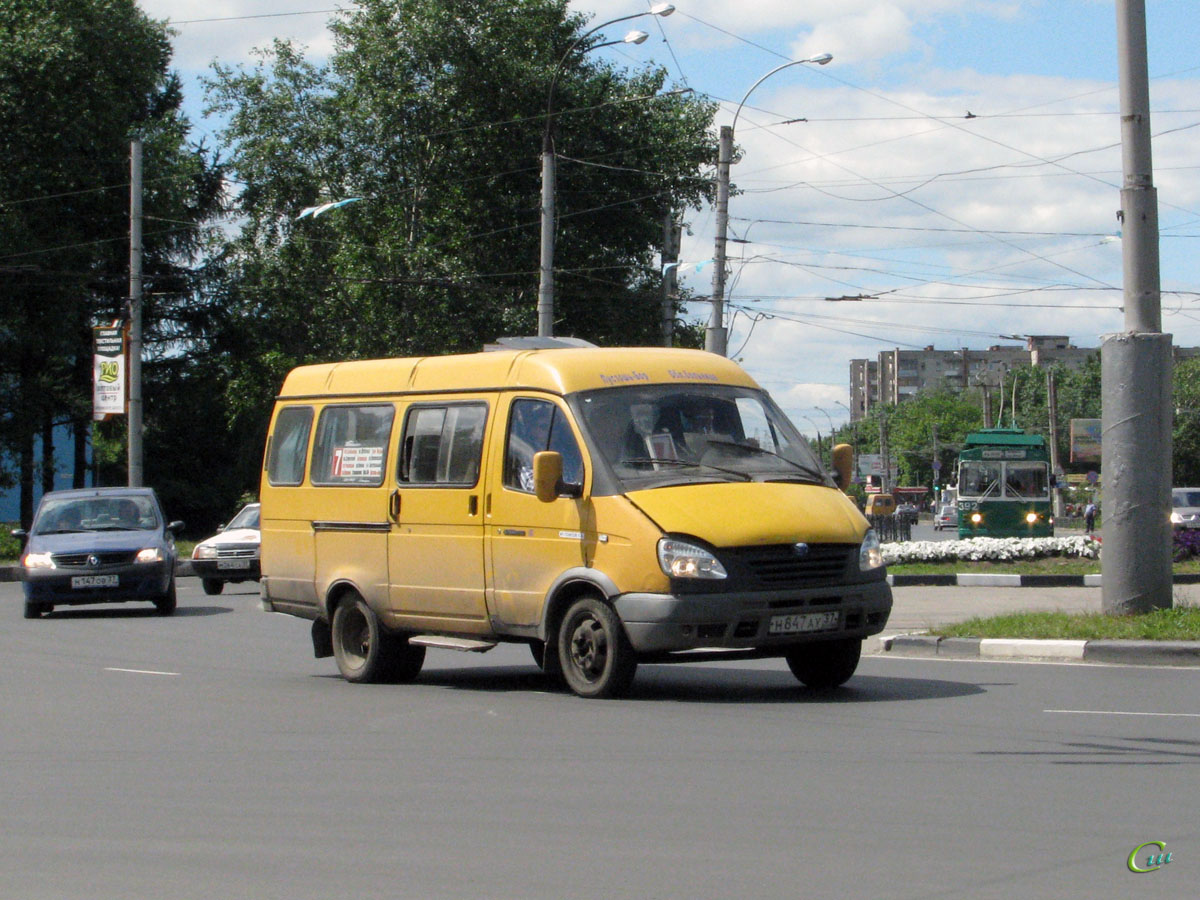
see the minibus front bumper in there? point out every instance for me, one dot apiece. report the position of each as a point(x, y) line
point(758, 620)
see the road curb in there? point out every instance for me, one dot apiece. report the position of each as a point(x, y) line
point(1137, 653)
point(979, 579)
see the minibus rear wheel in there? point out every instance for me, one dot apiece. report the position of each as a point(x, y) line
point(826, 664)
point(365, 653)
point(596, 657)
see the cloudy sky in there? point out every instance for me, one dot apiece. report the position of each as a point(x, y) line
point(957, 165)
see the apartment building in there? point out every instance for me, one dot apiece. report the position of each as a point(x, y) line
point(897, 374)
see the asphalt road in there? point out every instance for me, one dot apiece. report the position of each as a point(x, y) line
point(208, 755)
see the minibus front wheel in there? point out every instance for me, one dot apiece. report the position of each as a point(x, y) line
point(825, 664)
point(595, 654)
point(365, 653)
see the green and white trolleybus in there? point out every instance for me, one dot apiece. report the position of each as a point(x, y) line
point(1004, 485)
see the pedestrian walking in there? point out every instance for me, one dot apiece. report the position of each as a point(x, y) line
point(1089, 516)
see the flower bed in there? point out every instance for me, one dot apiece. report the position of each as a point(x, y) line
point(998, 549)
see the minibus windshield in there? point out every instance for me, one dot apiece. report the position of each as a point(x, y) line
point(677, 434)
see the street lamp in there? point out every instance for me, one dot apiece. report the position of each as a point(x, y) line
point(817, 428)
point(714, 336)
point(545, 307)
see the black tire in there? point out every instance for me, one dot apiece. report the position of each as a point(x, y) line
point(826, 664)
point(365, 653)
point(165, 605)
point(596, 657)
point(545, 654)
point(212, 586)
point(35, 610)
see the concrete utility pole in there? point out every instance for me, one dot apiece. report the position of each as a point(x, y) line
point(714, 336)
point(672, 237)
point(1135, 366)
point(1055, 467)
point(135, 314)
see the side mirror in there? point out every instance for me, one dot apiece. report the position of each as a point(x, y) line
point(547, 474)
point(175, 527)
point(843, 463)
point(547, 477)
point(20, 533)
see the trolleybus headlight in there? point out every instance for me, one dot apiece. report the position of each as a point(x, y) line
point(870, 556)
point(976, 518)
point(1031, 518)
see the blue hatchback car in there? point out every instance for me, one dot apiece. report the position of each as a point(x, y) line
point(99, 545)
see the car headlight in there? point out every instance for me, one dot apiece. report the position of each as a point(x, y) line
point(679, 559)
point(38, 561)
point(1176, 519)
point(204, 551)
point(148, 555)
point(870, 556)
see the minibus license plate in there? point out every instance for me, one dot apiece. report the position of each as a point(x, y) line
point(233, 563)
point(93, 581)
point(800, 623)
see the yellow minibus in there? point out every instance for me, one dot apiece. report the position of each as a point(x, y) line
point(604, 506)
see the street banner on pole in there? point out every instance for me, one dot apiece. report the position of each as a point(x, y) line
point(108, 372)
point(1085, 440)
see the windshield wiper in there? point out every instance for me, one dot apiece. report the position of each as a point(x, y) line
point(682, 463)
point(750, 448)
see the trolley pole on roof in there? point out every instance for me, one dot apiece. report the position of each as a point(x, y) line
point(1135, 366)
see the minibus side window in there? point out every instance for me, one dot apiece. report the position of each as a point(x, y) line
point(289, 446)
point(537, 425)
point(443, 445)
point(351, 445)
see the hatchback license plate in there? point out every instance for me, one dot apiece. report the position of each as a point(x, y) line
point(233, 563)
point(799, 623)
point(94, 581)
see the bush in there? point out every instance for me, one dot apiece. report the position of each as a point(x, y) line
point(10, 547)
point(1187, 544)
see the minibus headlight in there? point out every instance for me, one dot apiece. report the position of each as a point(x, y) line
point(148, 555)
point(679, 559)
point(37, 561)
point(870, 556)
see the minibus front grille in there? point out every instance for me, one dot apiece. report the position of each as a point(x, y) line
point(788, 565)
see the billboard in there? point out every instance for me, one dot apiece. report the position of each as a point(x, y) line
point(1085, 440)
point(108, 372)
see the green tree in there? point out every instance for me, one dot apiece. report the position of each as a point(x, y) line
point(1186, 437)
point(433, 112)
point(79, 78)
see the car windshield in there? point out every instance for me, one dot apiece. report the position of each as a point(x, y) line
point(247, 518)
point(654, 435)
point(134, 512)
point(1185, 499)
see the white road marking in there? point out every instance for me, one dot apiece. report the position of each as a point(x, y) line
point(1115, 712)
point(138, 671)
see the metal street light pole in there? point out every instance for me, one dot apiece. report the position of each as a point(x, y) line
point(545, 307)
point(714, 335)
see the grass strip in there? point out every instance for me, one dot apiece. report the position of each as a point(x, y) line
point(1181, 623)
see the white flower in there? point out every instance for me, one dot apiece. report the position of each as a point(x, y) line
point(984, 548)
